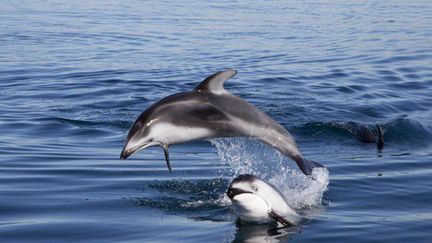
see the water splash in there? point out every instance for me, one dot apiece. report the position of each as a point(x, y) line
point(248, 156)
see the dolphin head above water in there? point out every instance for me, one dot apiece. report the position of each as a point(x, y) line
point(152, 128)
point(258, 201)
point(141, 135)
point(209, 111)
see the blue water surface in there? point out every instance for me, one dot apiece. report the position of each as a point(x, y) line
point(74, 75)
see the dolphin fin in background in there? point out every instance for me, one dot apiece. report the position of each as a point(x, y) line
point(380, 140)
point(215, 82)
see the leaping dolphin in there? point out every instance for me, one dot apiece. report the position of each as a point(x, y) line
point(209, 111)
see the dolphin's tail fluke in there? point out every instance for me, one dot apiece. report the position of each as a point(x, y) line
point(307, 166)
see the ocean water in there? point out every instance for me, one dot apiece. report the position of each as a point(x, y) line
point(74, 75)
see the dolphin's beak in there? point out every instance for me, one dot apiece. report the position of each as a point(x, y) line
point(232, 192)
point(125, 153)
point(129, 150)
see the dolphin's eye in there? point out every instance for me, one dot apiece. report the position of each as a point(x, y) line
point(150, 140)
point(255, 188)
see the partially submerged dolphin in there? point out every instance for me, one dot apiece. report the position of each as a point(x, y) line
point(258, 201)
point(366, 135)
point(209, 111)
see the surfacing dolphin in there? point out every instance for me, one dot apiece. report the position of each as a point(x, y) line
point(209, 111)
point(258, 201)
point(367, 135)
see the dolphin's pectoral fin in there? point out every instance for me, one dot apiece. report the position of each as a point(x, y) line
point(165, 148)
point(214, 83)
point(208, 113)
point(280, 219)
point(307, 166)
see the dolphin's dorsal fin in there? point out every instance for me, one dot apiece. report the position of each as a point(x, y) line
point(215, 82)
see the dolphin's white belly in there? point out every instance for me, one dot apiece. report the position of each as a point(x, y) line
point(172, 134)
point(252, 208)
